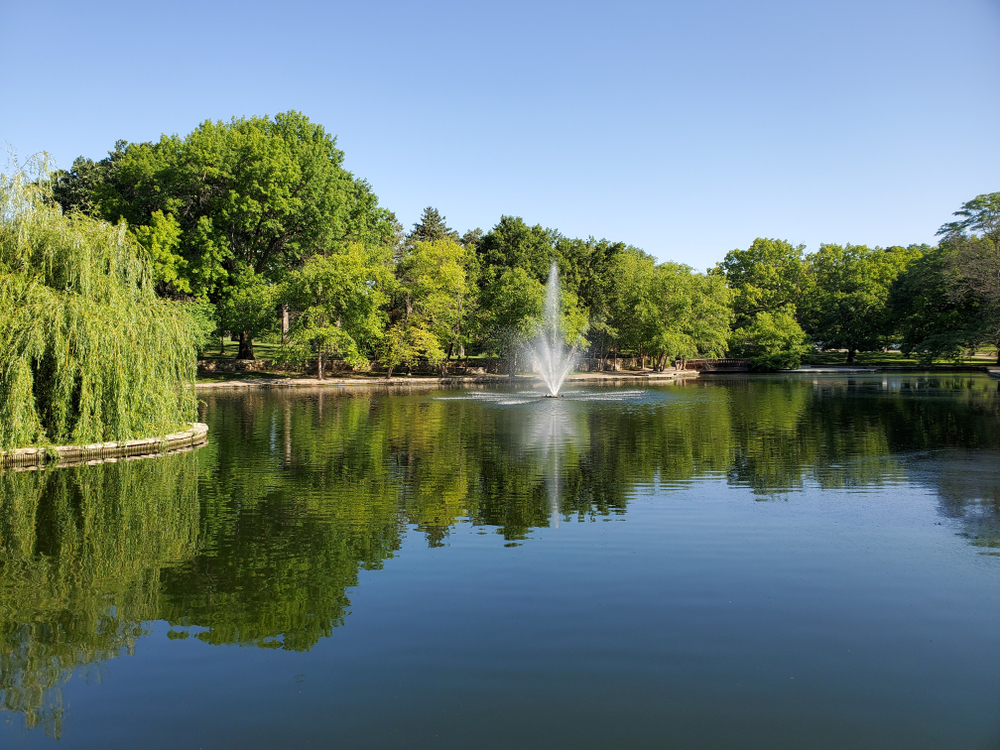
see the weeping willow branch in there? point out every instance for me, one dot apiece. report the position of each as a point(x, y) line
point(88, 353)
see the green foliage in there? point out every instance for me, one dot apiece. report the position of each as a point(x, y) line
point(437, 288)
point(160, 238)
point(970, 276)
point(341, 298)
point(848, 307)
point(979, 217)
point(774, 341)
point(256, 193)
point(513, 314)
point(87, 351)
point(770, 275)
point(432, 228)
point(574, 322)
point(248, 308)
point(406, 343)
point(666, 310)
point(251, 201)
point(512, 244)
point(205, 317)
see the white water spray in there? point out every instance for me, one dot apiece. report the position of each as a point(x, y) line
point(552, 358)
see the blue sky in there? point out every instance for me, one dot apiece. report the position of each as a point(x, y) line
point(686, 129)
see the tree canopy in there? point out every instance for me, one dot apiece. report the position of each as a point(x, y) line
point(249, 219)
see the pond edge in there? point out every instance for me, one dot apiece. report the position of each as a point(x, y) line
point(72, 454)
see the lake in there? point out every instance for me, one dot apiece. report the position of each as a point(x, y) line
point(735, 562)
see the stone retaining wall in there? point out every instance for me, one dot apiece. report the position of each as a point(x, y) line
point(71, 454)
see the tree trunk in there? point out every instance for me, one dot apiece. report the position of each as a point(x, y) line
point(246, 346)
point(284, 322)
point(851, 354)
point(319, 363)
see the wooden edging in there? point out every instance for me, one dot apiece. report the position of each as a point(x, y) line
point(97, 452)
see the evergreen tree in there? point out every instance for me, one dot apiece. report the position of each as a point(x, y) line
point(431, 228)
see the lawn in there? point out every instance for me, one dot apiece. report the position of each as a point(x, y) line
point(892, 359)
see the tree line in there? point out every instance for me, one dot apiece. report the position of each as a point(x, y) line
point(259, 229)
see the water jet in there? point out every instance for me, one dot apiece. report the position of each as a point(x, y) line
point(550, 354)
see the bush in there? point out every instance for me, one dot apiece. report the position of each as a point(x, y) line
point(774, 341)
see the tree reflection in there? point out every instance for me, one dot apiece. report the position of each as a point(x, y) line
point(258, 538)
point(81, 554)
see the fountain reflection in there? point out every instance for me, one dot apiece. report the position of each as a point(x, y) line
point(258, 539)
point(554, 428)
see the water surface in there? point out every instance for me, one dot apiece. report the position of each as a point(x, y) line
point(731, 563)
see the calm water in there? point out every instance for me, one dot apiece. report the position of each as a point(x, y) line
point(735, 563)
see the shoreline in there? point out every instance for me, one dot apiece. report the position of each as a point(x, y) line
point(95, 453)
point(444, 380)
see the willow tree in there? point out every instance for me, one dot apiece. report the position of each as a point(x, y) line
point(88, 352)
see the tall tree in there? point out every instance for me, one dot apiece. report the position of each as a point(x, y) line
point(513, 244)
point(432, 228)
point(257, 193)
point(848, 309)
point(768, 276)
point(978, 217)
point(935, 313)
point(437, 285)
point(511, 315)
point(967, 271)
point(341, 299)
point(667, 310)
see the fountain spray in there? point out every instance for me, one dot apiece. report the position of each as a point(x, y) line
point(552, 358)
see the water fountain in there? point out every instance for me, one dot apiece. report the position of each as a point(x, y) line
point(551, 356)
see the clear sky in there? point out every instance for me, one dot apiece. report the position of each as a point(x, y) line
point(686, 129)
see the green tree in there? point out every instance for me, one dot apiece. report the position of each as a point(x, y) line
point(513, 244)
point(773, 341)
point(160, 239)
point(512, 314)
point(406, 342)
point(979, 217)
point(247, 309)
point(341, 300)
point(634, 304)
point(88, 353)
point(934, 315)
point(438, 290)
point(770, 275)
point(848, 308)
point(971, 250)
point(431, 228)
point(667, 310)
point(257, 193)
